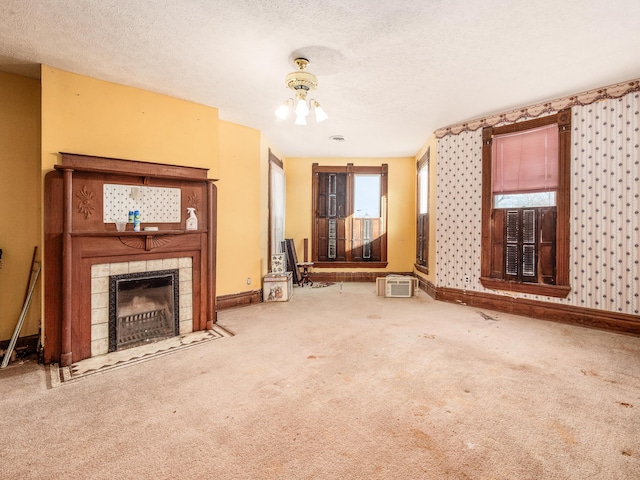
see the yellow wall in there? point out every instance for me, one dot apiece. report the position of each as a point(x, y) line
point(401, 228)
point(94, 117)
point(19, 199)
point(239, 209)
point(432, 144)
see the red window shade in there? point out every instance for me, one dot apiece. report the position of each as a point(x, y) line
point(525, 162)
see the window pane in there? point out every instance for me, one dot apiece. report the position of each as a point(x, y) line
point(366, 196)
point(423, 190)
point(522, 200)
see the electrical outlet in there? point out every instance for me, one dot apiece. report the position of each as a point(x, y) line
point(467, 279)
point(249, 281)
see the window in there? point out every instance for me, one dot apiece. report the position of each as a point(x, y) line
point(277, 188)
point(422, 227)
point(349, 216)
point(525, 206)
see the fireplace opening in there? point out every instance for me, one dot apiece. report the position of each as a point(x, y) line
point(143, 308)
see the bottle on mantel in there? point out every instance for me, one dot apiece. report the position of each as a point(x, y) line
point(192, 221)
point(136, 221)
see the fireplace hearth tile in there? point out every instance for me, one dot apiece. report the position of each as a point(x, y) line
point(131, 356)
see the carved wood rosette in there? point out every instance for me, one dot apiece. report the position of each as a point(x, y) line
point(146, 242)
point(193, 201)
point(85, 205)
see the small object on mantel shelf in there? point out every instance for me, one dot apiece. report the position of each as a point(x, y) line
point(121, 225)
point(192, 221)
point(150, 229)
point(136, 220)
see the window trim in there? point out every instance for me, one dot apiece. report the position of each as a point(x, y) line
point(350, 170)
point(563, 206)
point(274, 162)
point(420, 164)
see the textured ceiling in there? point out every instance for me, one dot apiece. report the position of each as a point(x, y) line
point(389, 72)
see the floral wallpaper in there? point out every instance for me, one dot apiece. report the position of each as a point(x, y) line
point(605, 208)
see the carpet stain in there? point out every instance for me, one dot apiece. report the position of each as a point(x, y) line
point(426, 335)
point(521, 368)
point(374, 317)
point(593, 373)
point(422, 440)
point(564, 433)
point(625, 404)
point(488, 317)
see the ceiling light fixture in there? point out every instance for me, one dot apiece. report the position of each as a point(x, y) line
point(301, 83)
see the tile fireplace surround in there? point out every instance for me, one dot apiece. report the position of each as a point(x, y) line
point(81, 250)
point(100, 275)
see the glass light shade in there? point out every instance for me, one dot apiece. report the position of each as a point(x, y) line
point(302, 109)
point(283, 112)
point(321, 115)
point(301, 120)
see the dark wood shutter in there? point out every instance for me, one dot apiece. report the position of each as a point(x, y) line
point(512, 244)
point(422, 243)
point(547, 245)
point(529, 245)
point(497, 243)
point(367, 241)
point(330, 216)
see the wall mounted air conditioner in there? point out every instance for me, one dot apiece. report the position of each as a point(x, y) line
point(400, 286)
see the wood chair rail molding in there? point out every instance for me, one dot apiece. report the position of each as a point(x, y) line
point(76, 237)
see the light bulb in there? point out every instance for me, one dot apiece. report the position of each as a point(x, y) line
point(302, 109)
point(321, 115)
point(283, 112)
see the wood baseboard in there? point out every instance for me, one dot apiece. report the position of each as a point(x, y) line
point(351, 276)
point(555, 312)
point(427, 286)
point(26, 344)
point(238, 299)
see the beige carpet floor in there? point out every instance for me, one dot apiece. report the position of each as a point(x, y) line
point(340, 384)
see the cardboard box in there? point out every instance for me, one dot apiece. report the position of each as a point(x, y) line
point(277, 287)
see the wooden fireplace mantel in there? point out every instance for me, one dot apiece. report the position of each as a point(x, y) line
point(76, 238)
